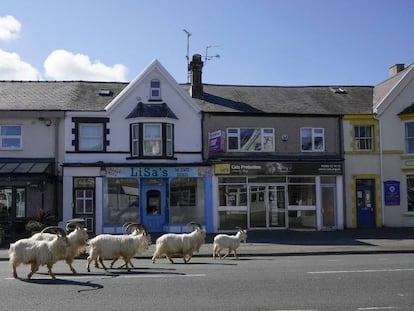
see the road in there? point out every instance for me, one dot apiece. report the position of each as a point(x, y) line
point(305, 283)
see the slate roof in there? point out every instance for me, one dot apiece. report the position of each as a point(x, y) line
point(152, 110)
point(59, 95)
point(287, 99)
point(84, 96)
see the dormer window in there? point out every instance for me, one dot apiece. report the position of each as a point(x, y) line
point(155, 89)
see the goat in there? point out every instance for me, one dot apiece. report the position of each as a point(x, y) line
point(232, 242)
point(184, 244)
point(38, 253)
point(109, 246)
point(126, 226)
point(76, 238)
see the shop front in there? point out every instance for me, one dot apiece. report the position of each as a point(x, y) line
point(164, 199)
point(271, 195)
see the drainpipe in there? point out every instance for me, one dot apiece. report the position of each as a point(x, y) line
point(381, 168)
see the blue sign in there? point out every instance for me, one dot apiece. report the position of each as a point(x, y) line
point(392, 192)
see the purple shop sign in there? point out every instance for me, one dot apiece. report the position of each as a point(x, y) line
point(216, 141)
point(392, 192)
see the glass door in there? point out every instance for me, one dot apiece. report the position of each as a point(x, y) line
point(267, 206)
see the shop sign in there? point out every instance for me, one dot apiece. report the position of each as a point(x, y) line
point(216, 141)
point(158, 172)
point(392, 192)
point(279, 168)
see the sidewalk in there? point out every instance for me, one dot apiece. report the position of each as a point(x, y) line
point(304, 242)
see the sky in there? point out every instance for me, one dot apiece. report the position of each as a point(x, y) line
point(242, 42)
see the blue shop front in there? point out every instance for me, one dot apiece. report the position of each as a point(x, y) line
point(164, 199)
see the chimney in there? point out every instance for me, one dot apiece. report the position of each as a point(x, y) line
point(196, 69)
point(395, 69)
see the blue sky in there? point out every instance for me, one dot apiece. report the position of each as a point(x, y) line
point(260, 42)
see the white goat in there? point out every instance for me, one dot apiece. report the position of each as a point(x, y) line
point(76, 238)
point(184, 244)
point(232, 242)
point(38, 253)
point(109, 246)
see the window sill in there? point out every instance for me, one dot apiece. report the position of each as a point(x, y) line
point(408, 214)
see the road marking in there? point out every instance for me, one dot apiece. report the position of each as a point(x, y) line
point(378, 308)
point(296, 310)
point(360, 271)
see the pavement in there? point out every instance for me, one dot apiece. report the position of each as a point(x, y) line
point(307, 242)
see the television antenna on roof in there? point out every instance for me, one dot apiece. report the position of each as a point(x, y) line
point(210, 57)
point(188, 56)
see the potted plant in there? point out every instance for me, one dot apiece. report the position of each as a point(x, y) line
point(34, 226)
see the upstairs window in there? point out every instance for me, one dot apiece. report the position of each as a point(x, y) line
point(409, 137)
point(10, 137)
point(91, 137)
point(250, 139)
point(152, 140)
point(363, 138)
point(155, 92)
point(312, 139)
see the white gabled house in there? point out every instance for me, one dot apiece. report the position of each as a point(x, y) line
point(137, 158)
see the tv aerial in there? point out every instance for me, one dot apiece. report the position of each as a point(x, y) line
point(188, 52)
point(208, 57)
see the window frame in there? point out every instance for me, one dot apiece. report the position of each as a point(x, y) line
point(313, 136)
point(98, 138)
point(155, 86)
point(19, 137)
point(367, 140)
point(233, 138)
point(408, 140)
point(77, 142)
point(138, 140)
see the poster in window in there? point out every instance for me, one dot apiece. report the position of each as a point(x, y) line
point(392, 192)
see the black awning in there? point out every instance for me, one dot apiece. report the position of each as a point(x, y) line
point(25, 167)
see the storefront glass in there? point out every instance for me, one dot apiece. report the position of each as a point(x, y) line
point(122, 201)
point(232, 202)
point(187, 200)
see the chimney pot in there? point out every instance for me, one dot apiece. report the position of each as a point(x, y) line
point(395, 69)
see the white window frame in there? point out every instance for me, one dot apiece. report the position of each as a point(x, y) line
point(4, 137)
point(155, 90)
point(93, 138)
point(135, 140)
point(409, 140)
point(315, 134)
point(266, 134)
point(149, 138)
point(169, 140)
point(365, 140)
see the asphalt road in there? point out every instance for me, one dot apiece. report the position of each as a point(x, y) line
point(311, 283)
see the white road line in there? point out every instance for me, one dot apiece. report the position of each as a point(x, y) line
point(377, 308)
point(360, 271)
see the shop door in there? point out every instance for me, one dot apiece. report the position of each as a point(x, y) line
point(84, 201)
point(365, 194)
point(267, 206)
point(153, 207)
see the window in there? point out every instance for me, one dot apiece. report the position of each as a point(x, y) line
point(122, 201)
point(363, 138)
point(152, 140)
point(410, 193)
point(12, 203)
point(409, 137)
point(155, 89)
point(90, 137)
point(312, 139)
point(250, 139)
point(187, 200)
point(11, 137)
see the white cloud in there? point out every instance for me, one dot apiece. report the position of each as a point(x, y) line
point(13, 68)
point(64, 65)
point(9, 27)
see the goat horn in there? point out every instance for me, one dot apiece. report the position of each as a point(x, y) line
point(125, 225)
point(195, 224)
point(54, 229)
point(239, 228)
point(134, 224)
